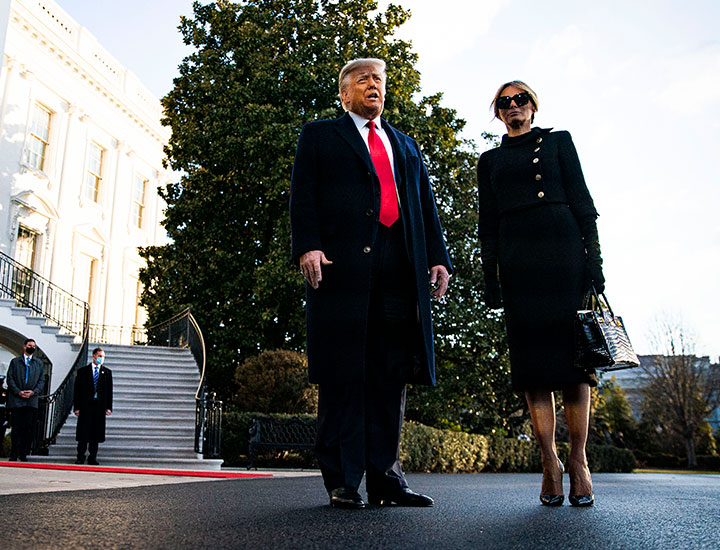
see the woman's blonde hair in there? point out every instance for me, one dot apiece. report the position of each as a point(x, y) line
point(520, 85)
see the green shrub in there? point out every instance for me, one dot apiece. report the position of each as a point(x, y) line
point(275, 382)
point(709, 462)
point(426, 449)
point(512, 455)
point(606, 458)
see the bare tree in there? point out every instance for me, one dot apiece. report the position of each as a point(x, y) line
point(683, 388)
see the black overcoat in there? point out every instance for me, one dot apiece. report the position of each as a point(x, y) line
point(91, 420)
point(334, 207)
point(534, 208)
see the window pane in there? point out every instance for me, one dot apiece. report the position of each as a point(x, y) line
point(40, 125)
point(94, 172)
point(38, 139)
point(138, 201)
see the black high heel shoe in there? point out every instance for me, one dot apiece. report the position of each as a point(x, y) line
point(554, 500)
point(582, 500)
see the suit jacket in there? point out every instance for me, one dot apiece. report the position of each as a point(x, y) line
point(334, 207)
point(16, 382)
point(91, 421)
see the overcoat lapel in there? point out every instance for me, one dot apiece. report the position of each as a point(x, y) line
point(347, 129)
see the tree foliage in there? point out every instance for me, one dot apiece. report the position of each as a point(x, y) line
point(275, 382)
point(260, 69)
point(612, 418)
point(681, 390)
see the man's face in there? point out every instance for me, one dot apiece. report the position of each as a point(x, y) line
point(364, 93)
point(99, 354)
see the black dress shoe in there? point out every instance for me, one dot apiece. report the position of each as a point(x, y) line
point(80, 460)
point(23, 459)
point(345, 497)
point(582, 500)
point(93, 462)
point(403, 497)
point(13, 459)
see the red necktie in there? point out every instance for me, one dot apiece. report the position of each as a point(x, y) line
point(388, 197)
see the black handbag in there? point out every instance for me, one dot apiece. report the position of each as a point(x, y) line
point(601, 341)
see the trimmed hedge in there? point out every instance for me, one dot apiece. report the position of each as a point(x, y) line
point(670, 461)
point(512, 455)
point(426, 449)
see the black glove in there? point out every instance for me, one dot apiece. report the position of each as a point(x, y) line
point(593, 258)
point(493, 296)
point(594, 277)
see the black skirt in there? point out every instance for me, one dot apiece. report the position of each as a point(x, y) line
point(542, 268)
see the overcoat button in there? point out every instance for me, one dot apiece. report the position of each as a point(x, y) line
point(541, 194)
point(538, 177)
point(537, 149)
point(539, 140)
point(367, 250)
point(369, 212)
point(536, 160)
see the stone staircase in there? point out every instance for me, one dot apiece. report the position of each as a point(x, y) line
point(153, 418)
point(58, 348)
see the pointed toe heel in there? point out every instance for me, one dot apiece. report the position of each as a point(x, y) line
point(582, 500)
point(552, 500)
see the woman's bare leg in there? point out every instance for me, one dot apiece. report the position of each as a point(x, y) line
point(576, 400)
point(542, 415)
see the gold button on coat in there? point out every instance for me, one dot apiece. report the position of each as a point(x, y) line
point(539, 140)
point(536, 160)
point(541, 194)
point(538, 177)
point(367, 250)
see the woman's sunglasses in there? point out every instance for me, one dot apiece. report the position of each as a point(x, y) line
point(503, 102)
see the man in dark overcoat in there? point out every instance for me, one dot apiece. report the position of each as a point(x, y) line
point(368, 240)
point(25, 380)
point(92, 404)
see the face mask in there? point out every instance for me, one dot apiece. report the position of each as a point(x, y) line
point(29, 350)
point(99, 360)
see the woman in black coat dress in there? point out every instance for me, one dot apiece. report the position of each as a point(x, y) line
point(540, 254)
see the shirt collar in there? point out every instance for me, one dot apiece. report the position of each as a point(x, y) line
point(360, 122)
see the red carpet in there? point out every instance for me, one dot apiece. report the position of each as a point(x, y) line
point(147, 471)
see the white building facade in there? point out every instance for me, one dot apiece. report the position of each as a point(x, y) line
point(81, 149)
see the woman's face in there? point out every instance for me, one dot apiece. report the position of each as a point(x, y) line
point(515, 116)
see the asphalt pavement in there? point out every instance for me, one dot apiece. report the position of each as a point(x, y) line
point(484, 511)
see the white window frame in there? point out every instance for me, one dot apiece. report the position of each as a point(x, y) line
point(92, 191)
point(36, 140)
point(137, 207)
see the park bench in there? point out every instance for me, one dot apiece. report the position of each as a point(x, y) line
point(280, 434)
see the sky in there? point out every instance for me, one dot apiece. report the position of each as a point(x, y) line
point(636, 82)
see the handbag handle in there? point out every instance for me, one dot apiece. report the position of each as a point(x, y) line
point(593, 301)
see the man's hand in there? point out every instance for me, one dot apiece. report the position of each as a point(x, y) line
point(311, 266)
point(77, 413)
point(439, 278)
point(108, 412)
point(25, 394)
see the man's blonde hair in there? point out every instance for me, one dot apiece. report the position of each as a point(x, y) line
point(353, 66)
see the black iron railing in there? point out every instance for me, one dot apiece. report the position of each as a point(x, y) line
point(54, 409)
point(183, 331)
point(44, 298)
point(60, 308)
point(112, 334)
